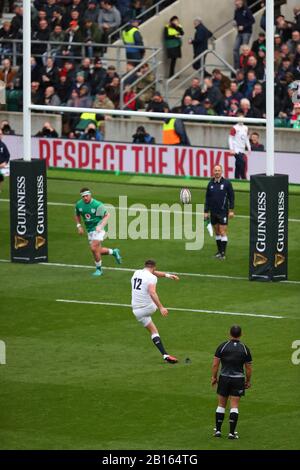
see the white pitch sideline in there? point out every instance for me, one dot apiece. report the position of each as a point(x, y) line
point(190, 310)
point(110, 268)
point(142, 209)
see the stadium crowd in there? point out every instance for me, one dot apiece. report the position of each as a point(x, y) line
point(61, 79)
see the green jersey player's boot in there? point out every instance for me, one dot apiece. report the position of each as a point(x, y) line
point(98, 272)
point(117, 255)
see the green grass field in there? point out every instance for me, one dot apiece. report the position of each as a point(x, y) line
point(82, 376)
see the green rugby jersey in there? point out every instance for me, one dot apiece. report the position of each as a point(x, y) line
point(91, 213)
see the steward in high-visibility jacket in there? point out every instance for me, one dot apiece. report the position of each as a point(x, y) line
point(174, 132)
point(132, 37)
point(173, 33)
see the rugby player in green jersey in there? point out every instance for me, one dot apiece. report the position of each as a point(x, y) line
point(95, 218)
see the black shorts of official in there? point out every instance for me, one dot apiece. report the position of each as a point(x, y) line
point(1, 178)
point(229, 386)
point(221, 219)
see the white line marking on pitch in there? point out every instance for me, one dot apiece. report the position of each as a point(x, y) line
point(110, 268)
point(216, 312)
point(143, 209)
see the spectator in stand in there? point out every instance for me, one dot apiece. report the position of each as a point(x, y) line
point(136, 8)
point(277, 42)
point(73, 34)
point(50, 97)
point(258, 101)
point(47, 131)
point(64, 88)
point(102, 101)
point(233, 108)
point(6, 33)
point(68, 70)
point(131, 78)
point(14, 96)
point(191, 106)
point(283, 28)
point(113, 91)
point(10, 6)
point(57, 19)
point(173, 33)
point(76, 5)
point(111, 73)
point(17, 22)
point(295, 119)
point(133, 41)
point(194, 90)
point(109, 19)
point(294, 42)
point(57, 35)
point(245, 108)
point(261, 41)
point(49, 74)
point(130, 100)
point(7, 74)
point(244, 21)
point(220, 80)
point(286, 66)
point(91, 34)
point(98, 75)
point(214, 95)
point(297, 18)
point(80, 80)
point(147, 78)
point(209, 107)
point(250, 82)
point(200, 40)
point(257, 67)
point(235, 93)
point(157, 104)
point(256, 146)
point(37, 94)
point(85, 100)
point(42, 36)
point(50, 7)
point(142, 137)
point(86, 68)
point(92, 11)
point(246, 53)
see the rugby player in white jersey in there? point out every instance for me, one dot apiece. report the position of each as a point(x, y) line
point(145, 302)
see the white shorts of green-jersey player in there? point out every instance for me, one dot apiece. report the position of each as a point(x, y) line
point(95, 217)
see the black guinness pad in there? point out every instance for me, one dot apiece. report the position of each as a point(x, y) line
point(268, 228)
point(28, 211)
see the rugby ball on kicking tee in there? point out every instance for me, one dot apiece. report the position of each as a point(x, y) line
point(185, 196)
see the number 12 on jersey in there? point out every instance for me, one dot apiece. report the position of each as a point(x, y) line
point(137, 283)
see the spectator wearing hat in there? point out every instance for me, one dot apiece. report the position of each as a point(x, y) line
point(209, 107)
point(133, 41)
point(200, 41)
point(102, 101)
point(142, 137)
point(173, 33)
point(92, 11)
point(98, 75)
point(73, 35)
point(109, 19)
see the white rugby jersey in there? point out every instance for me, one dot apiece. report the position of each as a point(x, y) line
point(239, 139)
point(140, 281)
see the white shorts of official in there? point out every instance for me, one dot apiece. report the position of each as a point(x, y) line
point(143, 315)
point(95, 235)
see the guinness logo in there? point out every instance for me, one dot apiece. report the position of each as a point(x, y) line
point(279, 260)
point(39, 242)
point(20, 242)
point(259, 260)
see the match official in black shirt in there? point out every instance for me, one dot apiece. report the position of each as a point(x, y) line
point(219, 202)
point(234, 356)
point(4, 157)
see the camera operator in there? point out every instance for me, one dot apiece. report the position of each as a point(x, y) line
point(142, 137)
point(92, 133)
point(6, 129)
point(47, 131)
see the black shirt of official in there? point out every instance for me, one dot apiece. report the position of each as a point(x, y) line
point(4, 153)
point(219, 196)
point(233, 355)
